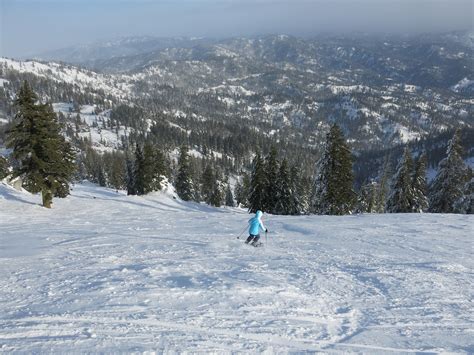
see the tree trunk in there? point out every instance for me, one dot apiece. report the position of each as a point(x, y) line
point(47, 198)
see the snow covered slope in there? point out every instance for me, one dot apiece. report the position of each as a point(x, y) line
point(103, 272)
point(62, 73)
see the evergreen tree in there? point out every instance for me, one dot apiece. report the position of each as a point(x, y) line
point(184, 181)
point(241, 190)
point(240, 196)
point(256, 197)
point(384, 186)
point(448, 185)
point(245, 190)
point(362, 198)
point(117, 170)
point(101, 178)
point(3, 167)
point(217, 197)
point(465, 204)
point(208, 184)
point(271, 176)
point(89, 164)
point(130, 177)
point(153, 168)
point(45, 159)
point(284, 194)
point(333, 192)
point(402, 194)
point(368, 198)
point(139, 171)
point(298, 195)
point(305, 190)
point(420, 185)
point(229, 198)
point(373, 201)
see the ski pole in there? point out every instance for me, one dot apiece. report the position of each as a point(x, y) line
point(242, 232)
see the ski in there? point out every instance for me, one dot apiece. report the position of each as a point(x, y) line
point(256, 245)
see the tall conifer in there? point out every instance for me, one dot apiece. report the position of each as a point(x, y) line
point(208, 183)
point(45, 159)
point(184, 181)
point(153, 168)
point(258, 185)
point(271, 168)
point(333, 193)
point(131, 190)
point(229, 197)
point(465, 204)
point(3, 167)
point(448, 185)
point(383, 190)
point(402, 194)
point(241, 191)
point(139, 171)
point(420, 185)
point(284, 193)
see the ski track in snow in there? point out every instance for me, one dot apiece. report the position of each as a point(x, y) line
point(103, 272)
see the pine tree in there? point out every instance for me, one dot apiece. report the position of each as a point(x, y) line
point(208, 183)
point(384, 186)
point(298, 194)
point(89, 164)
point(131, 190)
point(184, 181)
point(256, 198)
point(101, 177)
point(333, 192)
point(420, 185)
point(240, 196)
point(217, 193)
point(229, 198)
point(372, 205)
point(362, 205)
point(139, 171)
point(45, 159)
point(402, 194)
point(153, 168)
point(448, 185)
point(241, 190)
point(3, 168)
point(271, 176)
point(284, 194)
point(305, 193)
point(217, 197)
point(465, 204)
point(245, 190)
point(367, 199)
point(118, 170)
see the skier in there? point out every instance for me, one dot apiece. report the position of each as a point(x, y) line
point(255, 224)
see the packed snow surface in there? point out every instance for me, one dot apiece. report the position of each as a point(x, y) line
point(103, 272)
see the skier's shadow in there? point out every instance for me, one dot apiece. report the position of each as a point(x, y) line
point(297, 229)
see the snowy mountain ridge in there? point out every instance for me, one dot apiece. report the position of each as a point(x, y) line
point(222, 96)
point(125, 87)
point(61, 73)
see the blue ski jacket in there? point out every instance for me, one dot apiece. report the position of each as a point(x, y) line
point(255, 224)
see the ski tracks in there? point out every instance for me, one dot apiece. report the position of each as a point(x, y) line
point(103, 275)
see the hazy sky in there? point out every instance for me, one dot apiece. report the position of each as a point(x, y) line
point(31, 26)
